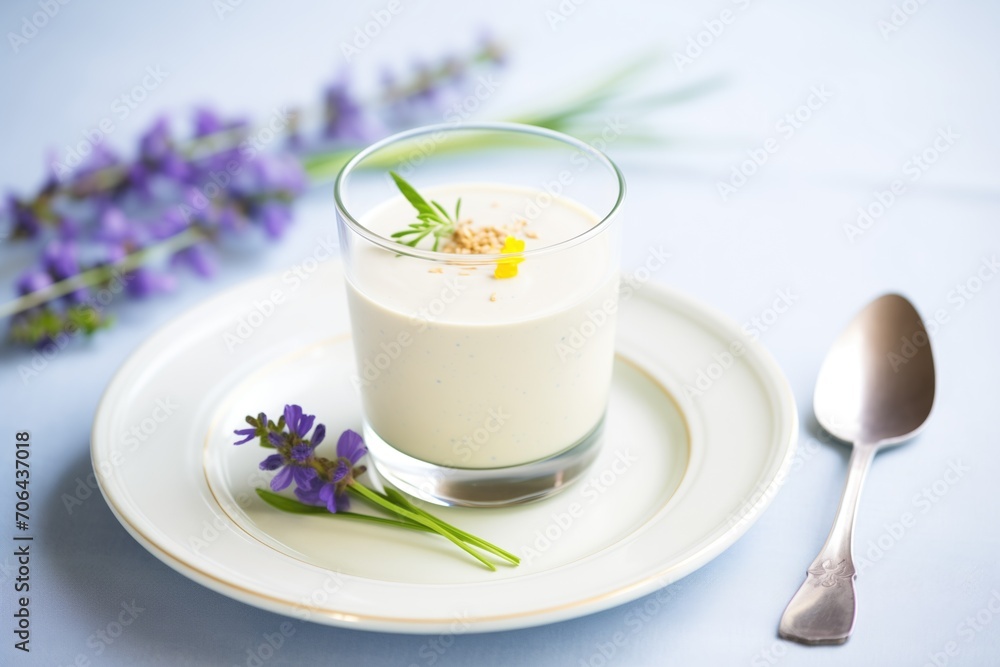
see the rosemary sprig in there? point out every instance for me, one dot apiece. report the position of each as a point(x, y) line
point(432, 218)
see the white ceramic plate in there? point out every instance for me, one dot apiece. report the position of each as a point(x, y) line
point(681, 477)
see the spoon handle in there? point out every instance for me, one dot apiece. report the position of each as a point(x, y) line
point(822, 610)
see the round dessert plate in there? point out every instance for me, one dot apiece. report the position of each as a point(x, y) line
point(700, 430)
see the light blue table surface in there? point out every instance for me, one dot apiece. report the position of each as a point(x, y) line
point(884, 78)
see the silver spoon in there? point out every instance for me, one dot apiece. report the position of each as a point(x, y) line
point(875, 389)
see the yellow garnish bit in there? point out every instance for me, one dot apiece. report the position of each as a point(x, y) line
point(507, 268)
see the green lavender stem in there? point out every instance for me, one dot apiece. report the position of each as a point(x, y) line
point(295, 507)
point(375, 498)
point(100, 274)
point(398, 498)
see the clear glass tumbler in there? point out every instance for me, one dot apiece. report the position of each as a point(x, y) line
point(483, 365)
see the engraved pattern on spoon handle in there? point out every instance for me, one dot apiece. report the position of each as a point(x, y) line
point(822, 611)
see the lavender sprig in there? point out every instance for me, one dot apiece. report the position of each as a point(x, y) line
point(324, 484)
point(111, 225)
point(178, 200)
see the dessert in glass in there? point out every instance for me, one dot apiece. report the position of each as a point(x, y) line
point(482, 270)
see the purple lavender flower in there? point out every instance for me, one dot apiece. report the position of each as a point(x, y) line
point(309, 493)
point(297, 421)
point(318, 481)
point(258, 428)
point(272, 462)
point(274, 217)
point(231, 219)
point(351, 446)
point(294, 460)
point(139, 179)
point(60, 259)
point(25, 221)
point(344, 119)
point(199, 257)
point(341, 112)
point(194, 209)
point(114, 228)
point(278, 174)
point(333, 492)
point(425, 95)
point(302, 453)
point(100, 158)
point(170, 223)
point(32, 281)
point(143, 282)
point(206, 122)
point(155, 142)
point(156, 149)
point(292, 472)
point(68, 228)
point(174, 166)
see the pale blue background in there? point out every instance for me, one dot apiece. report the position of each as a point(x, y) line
point(782, 231)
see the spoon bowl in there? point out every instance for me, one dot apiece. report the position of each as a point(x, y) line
point(875, 389)
point(876, 384)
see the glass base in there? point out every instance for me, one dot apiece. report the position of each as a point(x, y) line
point(483, 487)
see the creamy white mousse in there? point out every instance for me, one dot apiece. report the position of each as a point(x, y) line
point(459, 368)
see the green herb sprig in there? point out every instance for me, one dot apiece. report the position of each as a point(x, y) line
point(432, 218)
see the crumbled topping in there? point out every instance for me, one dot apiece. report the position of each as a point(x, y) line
point(472, 240)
